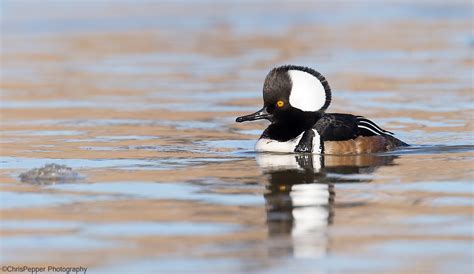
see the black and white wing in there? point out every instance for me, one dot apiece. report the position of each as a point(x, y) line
point(342, 127)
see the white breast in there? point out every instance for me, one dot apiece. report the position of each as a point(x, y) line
point(269, 145)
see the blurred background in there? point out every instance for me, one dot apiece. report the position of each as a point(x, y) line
point(140, 97)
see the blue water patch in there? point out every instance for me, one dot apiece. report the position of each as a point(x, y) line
point(454, 201)
point(216, 123)
point(445, 187)
point(432, 149)
point(256, 132)
point(142, 164)
point(10, 199)
point(241, 19)
point(436, 103)
point(113, 138)
point(166, 264)
point(452, 225)
point(209, 96)
point(112, 229)
point(423, 248)
point(45, 132)
point(125, 137)
point(28, 163)
point(390, 255)
point(28, 200)
point(7, 104)
point(84, 122)
point(124, 229)
point(107, 148)
point(163, 148)
point(29, 224)
point(424, 122)
point(162, 191)
point(332, 263)
point(196, 124)
point(40, 243)
point(433, 219)
point(185, 107)
point(203, 107)
point(231, 144)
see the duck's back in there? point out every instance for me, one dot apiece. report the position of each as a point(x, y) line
point(350, 134)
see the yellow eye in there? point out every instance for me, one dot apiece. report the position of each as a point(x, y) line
point(280, 104)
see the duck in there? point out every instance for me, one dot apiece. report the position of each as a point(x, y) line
point(295, 100)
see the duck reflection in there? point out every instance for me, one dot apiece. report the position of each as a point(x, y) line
point(300, 197)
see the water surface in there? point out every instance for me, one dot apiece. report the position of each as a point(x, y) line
point(140, 99)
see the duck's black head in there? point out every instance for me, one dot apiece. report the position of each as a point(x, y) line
point(292, 94)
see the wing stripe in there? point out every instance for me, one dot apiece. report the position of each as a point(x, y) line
point(367, 125)
point(370, 122)
point(369, 129)
point(362, 119)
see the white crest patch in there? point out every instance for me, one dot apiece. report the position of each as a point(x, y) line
point(307, 92)
point(270, 145)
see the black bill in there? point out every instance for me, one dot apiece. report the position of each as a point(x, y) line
point(261, 114)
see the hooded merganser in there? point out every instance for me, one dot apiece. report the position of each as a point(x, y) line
point(295, 100)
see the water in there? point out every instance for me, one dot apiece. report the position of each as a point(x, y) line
point(140, 100)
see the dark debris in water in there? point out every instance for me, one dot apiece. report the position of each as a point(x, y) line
point(50, 174)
